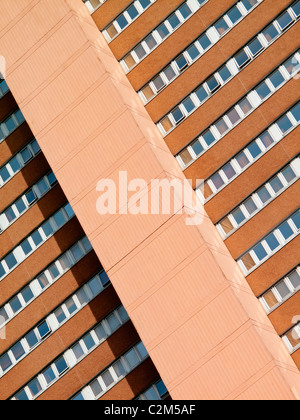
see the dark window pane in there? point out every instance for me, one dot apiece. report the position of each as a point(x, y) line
point(286, 230)
point(264, 194)
point(263, 90)
point(140, 52)
point(254, 150)
point(238, 216)
point(122, 21)
point(276, 78)
point(224, 73)
point(145, 3)
point(289, 174)
point(229, 171)
point(181, 62)
point(234, 14)
point(250, 206)
point(185, 11)
point(294, 279)
point(249, 4)
point(15, 304)
point(163, 31)
point(208, 137)
point(255, 46)
point(177, 115)
point(43, 329)
point(18, 351)
point(174, 21)
point(61, 365)
point(296, 112)
point(272, 242)
point(217, 181)
point(31, 339)
point(197, 147)
point(284, 124)
point(133, 13)
point(151, 42)
point(193, 52)
point(221, 26)
point(11, 261)
point(270, 33)
point(5, 362)
point(201, 94)
point(284, 20)
point(189, 105)
point(213, 84)
point(296, 220)
point(260, 252)
point(242, 58)
point(204, 42)
point(276, 184)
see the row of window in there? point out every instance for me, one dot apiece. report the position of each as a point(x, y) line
point(233, 66)
point(35, 240)
point(45, 279)
point(18, 162)
point(254, 151)
point(4, 89)
point(114, 374)
point(281, 291)
point(93, 5)
point(270, 244)
point(126, 18)
point(160, 33)
point(260, 198)
point(292, 338)
point(71, 357)
point(53, 322)
point(156, 392)
point(232, 117)
point(22, 204)
point(10, 124)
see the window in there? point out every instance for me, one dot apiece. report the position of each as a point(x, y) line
point(242, 58)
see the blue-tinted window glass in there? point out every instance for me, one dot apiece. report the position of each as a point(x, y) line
point(284, 20)
point(18, 351)
point(89, 341)
point(260, 252)
point(49, 375)
point(241, 58)
point(208, 137)
point(15, 304)
point(5, 362)
point(43, 329)
point(255, 46)
point(20, 205)
point(238, 216)
point(193, 52)
point(177, 115)
point(234, 14)
point(264, 194)
point(284, 124)
point(36, 237)
point(272, 242)
point(31, 339)
point(296, 220)
point(35, 387)
point(201, 94)
point(27, 294)
point(224, 73)
point(204, 42)
point(14, 164)
point(11, 261)
point(21, 396)
point(277, 79)
point(61, 365)
point(296, 112)
point(185, 11)
point(270, 33)
point(189, 105)
point(254, 150)
point(162, 390)
point(286, 230)
point(27, 248)
point(174, 21)
point(163, 31)
point(263, 90)
point(133, 13)
point(197, 147)
point(122, 21)
point(4, 174)
point(249, 4)
point(144, 3)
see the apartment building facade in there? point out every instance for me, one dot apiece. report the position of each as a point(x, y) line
point(135, 306)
